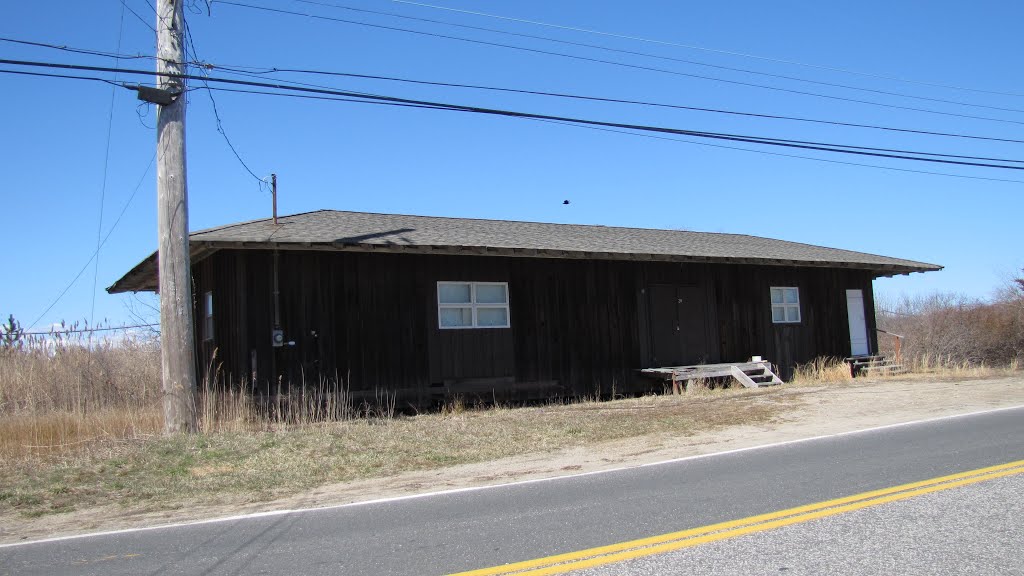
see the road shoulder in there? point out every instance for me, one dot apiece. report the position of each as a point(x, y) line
point(807, 412)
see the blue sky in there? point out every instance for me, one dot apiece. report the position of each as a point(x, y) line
point(383, 159)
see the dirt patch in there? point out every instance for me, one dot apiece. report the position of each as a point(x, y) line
point(691, 425)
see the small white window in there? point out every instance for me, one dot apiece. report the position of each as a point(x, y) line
point(208, 316)
point(785, 305)
point(472, 305)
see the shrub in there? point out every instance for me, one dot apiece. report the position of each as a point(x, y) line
point(954, 329)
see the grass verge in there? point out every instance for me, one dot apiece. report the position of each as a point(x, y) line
point(161, 473)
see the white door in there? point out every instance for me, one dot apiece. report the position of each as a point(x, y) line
point(858, 327)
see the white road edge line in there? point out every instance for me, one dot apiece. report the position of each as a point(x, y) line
point(507, 484)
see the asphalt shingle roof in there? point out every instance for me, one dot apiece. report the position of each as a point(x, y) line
point(396, 232)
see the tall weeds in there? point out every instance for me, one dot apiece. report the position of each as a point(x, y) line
point(63, 394)
point(822, 370)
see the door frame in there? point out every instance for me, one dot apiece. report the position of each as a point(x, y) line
point(700, 292)
point(853, 320)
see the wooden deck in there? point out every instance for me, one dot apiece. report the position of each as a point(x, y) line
point(749, 374)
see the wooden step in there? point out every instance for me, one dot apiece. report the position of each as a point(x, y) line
point(749, 374)
point(874, 365)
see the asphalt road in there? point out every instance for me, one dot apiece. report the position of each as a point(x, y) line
point(461, 531)
point(975, 529)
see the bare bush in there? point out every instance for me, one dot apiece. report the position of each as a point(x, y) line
point(952, 329)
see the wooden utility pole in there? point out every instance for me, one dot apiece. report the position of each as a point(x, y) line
point(176, 342)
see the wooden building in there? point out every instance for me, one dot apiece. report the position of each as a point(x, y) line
point(428, 307)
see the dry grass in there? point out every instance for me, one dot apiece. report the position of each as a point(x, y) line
point(246, 454)
point(823, 370)
point(930, 366)
point(837, 371)
point(81, 422)
point(58, 395)
point(80, 427)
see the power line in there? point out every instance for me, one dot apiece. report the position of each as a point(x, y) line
point(436, 106)
point(66, 48)
point(216, 112)
point(235, 71)
point(109, 232)
point(829, 160)
point(858, 164)
point(263, 72)
point(136, 14)
point(656, 56)
point(620, 64)
point(327, 98)
point(738, 138)
point(66, 76)
point(260, 72)
point(106, 165)
point(62, 331)
point(826, 147)
point(714, 50)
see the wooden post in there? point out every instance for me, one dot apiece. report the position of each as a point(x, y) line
point(273, 192)
point(176, 339)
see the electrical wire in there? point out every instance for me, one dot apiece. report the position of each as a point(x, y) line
point(66, 76)
point(140, 18)
point(261, 72)
point(858, 164)
point(673, 106)
point(216, 112)
point(713, 50)
point(620, 64)
point(712, 135)
point(106, 166)
point(658, 56)
point(61, 332)
point(66, 48)
point(829, 160)
point(105, 238)
point(838, 148)
point(328, 98)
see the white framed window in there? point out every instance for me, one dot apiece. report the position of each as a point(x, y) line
point(208, 316)
point(472, 305)
point(785, 305)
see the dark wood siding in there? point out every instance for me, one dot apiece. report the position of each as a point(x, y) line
point(577, 326)
point(744, 313)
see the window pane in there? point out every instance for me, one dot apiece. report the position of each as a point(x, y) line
point(453, 293)
point(209, 303)
point(792, 314)
point(792, 296)
point(778, 315)
point(456, 317)
point(776, 296)
point(492, 317)
point(490, 294)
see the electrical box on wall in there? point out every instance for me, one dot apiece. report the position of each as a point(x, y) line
point(277, 338)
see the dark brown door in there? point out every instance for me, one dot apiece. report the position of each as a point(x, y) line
point(678, 325)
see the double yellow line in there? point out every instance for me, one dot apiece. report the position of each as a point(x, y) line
point(582, 559)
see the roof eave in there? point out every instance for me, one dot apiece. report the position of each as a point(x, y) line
point(143, 277)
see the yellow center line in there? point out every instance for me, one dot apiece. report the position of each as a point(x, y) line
point(579, 560)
